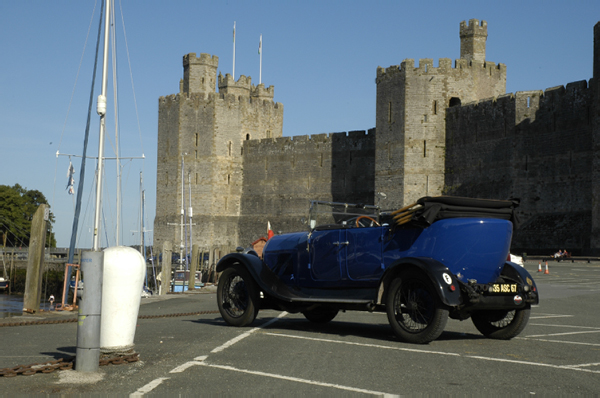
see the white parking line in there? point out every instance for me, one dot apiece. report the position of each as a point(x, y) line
point(248, 333)
point(148, 387)
point(298, 380)
point(441, 353)
point(560, 341)
point(551, 316)
point(199, 360)
point(563, 334)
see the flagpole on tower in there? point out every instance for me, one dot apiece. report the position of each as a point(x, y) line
point(260, 67)
point(233, 50)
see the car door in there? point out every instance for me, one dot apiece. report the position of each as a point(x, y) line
point(364, 253)
point(325, 249)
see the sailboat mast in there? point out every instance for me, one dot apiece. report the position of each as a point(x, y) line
point(101, 110)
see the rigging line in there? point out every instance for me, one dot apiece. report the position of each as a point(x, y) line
point(72, 95)
point(85, 143)
point(131, 78)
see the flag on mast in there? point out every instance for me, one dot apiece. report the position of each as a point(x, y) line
point(260, 53)
point(233, 73)
point(71, 177)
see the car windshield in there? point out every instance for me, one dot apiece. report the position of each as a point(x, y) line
point(328, 213)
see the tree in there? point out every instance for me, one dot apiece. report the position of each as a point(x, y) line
point(17, 207)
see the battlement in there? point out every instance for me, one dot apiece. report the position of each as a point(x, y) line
point(261, 92)
point(473, 28)
point(444, 67)
point(532, 100)
point(203, 59)
point(228, 85)
point(316, 139)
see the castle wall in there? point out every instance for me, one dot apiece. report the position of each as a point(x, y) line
point(282, 176)
point(536, 146)
point(595, 87)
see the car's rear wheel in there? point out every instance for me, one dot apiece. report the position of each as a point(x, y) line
point(237, 296)
point(320, 315)
point(414, 310)
point(501, 324)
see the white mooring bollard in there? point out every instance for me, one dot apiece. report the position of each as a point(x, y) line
point(123, 280)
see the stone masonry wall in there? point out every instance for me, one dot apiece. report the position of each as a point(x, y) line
point(282, 175)
point(536, 146)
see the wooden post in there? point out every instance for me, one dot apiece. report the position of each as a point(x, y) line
point(165, 273)
point(35, 262)
point(193, 268)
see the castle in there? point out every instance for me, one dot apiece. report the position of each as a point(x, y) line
point(450, 129)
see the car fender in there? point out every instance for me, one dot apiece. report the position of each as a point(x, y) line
point(445, 282)
point(520, 274)
point(266, 279)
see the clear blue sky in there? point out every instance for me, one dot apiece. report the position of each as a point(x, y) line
point(321, 56)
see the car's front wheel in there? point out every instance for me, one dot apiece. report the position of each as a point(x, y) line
point(414, 310)
point(237, 296)
point(501, 324)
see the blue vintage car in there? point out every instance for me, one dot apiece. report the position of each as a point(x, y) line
point(437, 258)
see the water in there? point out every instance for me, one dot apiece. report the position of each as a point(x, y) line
point(13, 306)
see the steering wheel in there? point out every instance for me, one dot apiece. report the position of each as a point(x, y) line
point(358, 225)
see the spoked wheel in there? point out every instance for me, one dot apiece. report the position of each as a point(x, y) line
point(237, 296)
point(501, 324)
point(414, 310)
point(320, 315)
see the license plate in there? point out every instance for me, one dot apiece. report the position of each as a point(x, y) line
point(503, 288)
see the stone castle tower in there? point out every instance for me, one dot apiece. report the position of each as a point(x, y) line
point(411, 115)
point(204, 131)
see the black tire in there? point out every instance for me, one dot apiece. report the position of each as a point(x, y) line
point(237, 296)
point(321, 315)
point(501, 324)
point(414, 309)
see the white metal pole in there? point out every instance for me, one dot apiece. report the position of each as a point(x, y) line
point(101, 109)
point(190, 215)
point(182, 220)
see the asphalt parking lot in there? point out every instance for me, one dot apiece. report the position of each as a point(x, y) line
point(355, 354)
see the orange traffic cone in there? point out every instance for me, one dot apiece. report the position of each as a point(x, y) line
point(546, 271)
point(540, 267)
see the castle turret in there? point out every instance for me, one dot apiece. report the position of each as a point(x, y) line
point(199, 73)
point(228, 85)
point(472, 40)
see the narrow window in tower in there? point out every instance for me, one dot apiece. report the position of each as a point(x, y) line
point(167, 179)
point(425, 118)
point(202, 80)
point(196, 139)
point(321, 162)
point(424, 148)
point(390, 112)
point(435, 107)
point(196, 178)
point(229, 147)
point(228, 179)
point(247, 137)
point(196, 154)
point(528, 102)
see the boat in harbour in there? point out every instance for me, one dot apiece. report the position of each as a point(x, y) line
point(180, 279)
